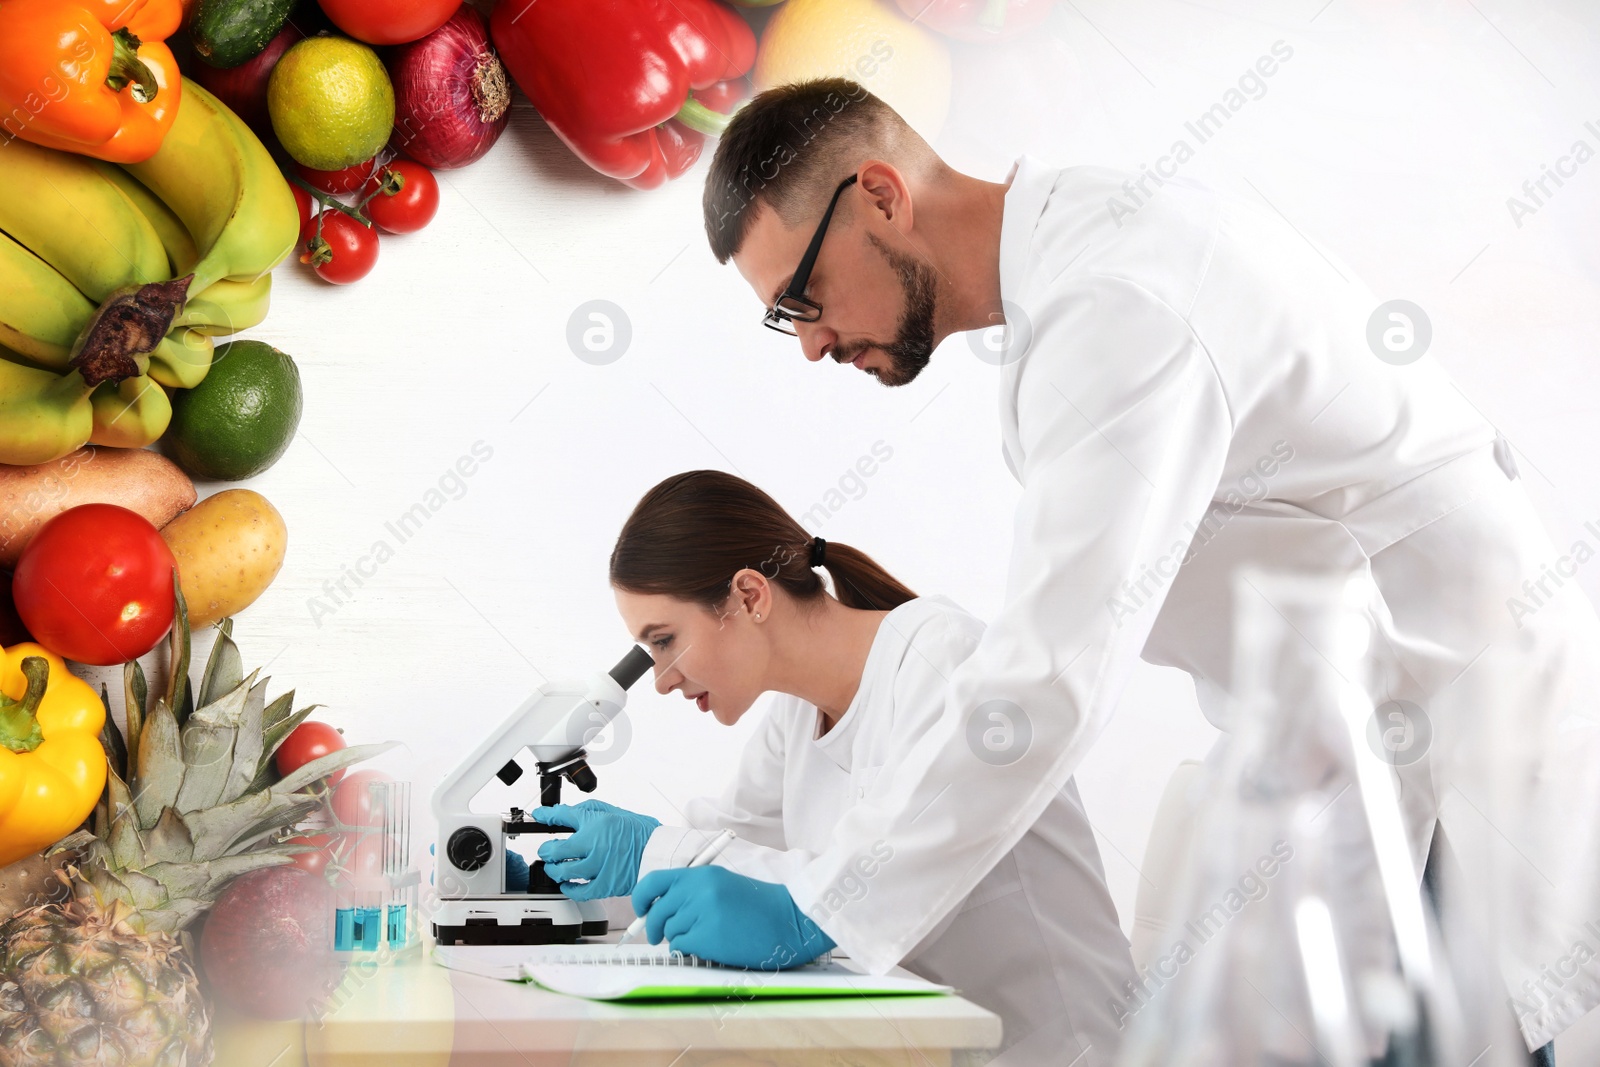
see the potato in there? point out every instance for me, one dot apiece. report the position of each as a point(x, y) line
point(229, 547)
point(136, 478)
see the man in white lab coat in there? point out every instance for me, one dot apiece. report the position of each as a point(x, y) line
point(1170, 357)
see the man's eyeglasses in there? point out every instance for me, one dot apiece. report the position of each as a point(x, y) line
point(793, 307)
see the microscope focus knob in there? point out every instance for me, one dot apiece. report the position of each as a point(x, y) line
point(469, 848)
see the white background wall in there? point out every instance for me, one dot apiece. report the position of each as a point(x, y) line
point(1395, 134)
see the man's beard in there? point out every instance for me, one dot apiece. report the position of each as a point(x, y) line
point(913, 344)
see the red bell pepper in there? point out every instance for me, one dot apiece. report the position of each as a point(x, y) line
point(631, 86)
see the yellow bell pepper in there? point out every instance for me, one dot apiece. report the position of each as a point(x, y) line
point(52, 764)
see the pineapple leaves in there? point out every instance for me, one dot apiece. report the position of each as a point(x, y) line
point(76, 839)
point(127, 846)
point(178, 698)
point(224, 667)
point(111, 737)
point(192, 798)
point(168, 840)
point(273, 735)
point(174, 915)
point(237, 825)
point(217, 830)
point(145, 893)
point(323, 766)
point(205, 880)
point(277, 711)
point(208, 739)
point(134, 692)
point(247, 744)
point(160, 764)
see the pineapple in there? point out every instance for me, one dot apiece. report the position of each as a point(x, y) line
point(192, 799)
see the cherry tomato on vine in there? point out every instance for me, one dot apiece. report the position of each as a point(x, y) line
point(408, 208)
point(327, 851)
point(362, 854)
point(306, 742)
point(347, 180)
point(355, 803)
point(346, 250)
point(94, 584)
point(307, 207)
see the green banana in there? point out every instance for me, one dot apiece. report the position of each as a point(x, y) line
point(41, 312)
point(131, 413)
point(182, 359)
point(63, 210)
point(43, 415)
point(227, 306)
point(217, 177)
point(181, 252)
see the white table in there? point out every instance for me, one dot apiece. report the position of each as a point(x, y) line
point(415, 1013)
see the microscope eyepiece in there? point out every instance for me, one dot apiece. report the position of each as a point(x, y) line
point(632, 667)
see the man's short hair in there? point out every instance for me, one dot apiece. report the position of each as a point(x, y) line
point(790, 146)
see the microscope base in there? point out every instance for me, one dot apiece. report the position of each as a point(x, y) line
point(517, 920)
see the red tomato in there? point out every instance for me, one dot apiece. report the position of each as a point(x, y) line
point(306, 742)
point(352, 249)
point(308, 213)
point(412, 206)
point(389, 21)
point(316, 862)
point(354, 804)
point(361, 855)
point(95, 585)
point(347, 180)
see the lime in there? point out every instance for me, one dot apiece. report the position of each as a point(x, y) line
point(331, 102)
point(242, 415)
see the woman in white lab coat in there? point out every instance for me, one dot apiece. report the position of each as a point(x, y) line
point(725, 589)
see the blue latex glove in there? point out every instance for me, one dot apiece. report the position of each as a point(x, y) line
point(605, 849)
point(727, 918)
point(516, 872)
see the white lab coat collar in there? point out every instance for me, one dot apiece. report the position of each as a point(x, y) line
point(1031, 183)
point(883, 661)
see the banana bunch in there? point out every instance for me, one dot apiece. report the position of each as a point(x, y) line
point(83, 246)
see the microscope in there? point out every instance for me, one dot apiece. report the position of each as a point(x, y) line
point(470, 855)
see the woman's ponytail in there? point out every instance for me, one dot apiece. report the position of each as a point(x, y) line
point(858, 581)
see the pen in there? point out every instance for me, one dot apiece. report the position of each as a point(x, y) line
point(712, 850)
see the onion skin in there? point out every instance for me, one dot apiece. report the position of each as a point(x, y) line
point(244, 88)
point(452, 95)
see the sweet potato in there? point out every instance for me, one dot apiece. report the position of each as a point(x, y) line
point(136, 478)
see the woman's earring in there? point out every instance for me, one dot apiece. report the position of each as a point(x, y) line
point(758, 616)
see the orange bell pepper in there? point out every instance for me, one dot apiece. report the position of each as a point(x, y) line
point(89, 76)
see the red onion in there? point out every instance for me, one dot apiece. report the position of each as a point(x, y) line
point(452, 98)
point(244, 88)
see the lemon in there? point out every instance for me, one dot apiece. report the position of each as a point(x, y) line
point(331, 102)
point(869, 41)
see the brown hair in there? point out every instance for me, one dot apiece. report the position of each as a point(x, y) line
point(791, 145)
point(689, 535)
